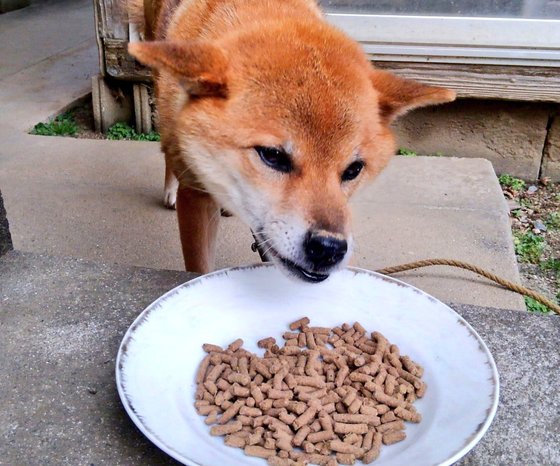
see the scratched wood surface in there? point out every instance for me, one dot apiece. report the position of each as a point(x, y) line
point(485, 81)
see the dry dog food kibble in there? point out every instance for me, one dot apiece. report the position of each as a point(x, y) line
point(326, 397)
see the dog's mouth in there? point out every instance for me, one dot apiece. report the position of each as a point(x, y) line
point(294, 269)
point(300, 272)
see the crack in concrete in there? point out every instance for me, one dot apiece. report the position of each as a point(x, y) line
point(546, 144)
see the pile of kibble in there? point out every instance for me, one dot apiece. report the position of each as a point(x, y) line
point(327, 397)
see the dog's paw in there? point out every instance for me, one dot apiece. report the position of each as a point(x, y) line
point(170, 198)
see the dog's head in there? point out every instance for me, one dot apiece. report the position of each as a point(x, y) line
point(282, 125)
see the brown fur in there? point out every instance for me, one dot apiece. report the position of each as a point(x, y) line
point(235, 74)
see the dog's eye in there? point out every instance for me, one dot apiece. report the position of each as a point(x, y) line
point(352, 171)
point(275, 158)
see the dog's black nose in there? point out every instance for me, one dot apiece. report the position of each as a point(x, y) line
point(323, 250)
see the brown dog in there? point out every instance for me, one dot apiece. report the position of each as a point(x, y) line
point(272, 113)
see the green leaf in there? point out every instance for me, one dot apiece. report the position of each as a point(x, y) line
point(511, 182)
point(529, 247)
point(534, 306)
point(62, 125)
point(551, 264)
point(406, 152)
point(120, 131)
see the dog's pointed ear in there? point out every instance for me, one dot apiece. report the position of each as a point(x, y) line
point(200, 67)
point(398, 95)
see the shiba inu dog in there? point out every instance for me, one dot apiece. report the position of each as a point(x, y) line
point(272, 113)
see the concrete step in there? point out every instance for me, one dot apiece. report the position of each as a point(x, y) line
point(101, 200)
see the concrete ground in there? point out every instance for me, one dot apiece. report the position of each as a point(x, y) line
point(100, 200)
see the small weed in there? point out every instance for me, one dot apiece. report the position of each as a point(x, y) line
point(529, 247)
point(509, 181)
point(407, 152)
point(151, 136)
point(551, 264)
point(534, 306)
point(120, 131)
point(62, 125)
point(438, 154)
point(553, 220)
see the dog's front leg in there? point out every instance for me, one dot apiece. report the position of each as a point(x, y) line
point(199, 217)
point(170, 189)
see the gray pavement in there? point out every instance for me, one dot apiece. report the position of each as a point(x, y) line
point(66, 317)
point(44, 29)
point(100, 200)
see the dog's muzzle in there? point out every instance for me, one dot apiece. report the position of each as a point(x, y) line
point(322, 252)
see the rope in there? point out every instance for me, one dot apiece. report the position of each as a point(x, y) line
point(473, 268)
point(453, 263)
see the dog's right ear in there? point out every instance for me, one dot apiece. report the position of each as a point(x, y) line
point(200, 67)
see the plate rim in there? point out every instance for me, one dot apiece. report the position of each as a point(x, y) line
point(152, 437)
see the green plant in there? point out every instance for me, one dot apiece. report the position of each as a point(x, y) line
point(509, 181)
point(551, 264)
point(120, 131)
point(62, 125)
point(407, 152)
point(534, 306)
point(529, 247)
point(553, 220)
point(151, 136)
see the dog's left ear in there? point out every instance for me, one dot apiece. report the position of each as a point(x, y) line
point(398, 95)
point(201, 67)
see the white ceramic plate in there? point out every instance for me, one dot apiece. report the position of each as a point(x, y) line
point(160, 353)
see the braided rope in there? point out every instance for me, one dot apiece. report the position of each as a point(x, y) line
point(473, 268)
point(453, 263)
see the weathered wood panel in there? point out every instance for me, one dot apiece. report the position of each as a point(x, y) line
point(111, 22)
point(98, 38)
point(114, 19)
point(120, 65)
point(537, 84)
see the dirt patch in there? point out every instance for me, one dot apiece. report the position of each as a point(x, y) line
point(83, 116)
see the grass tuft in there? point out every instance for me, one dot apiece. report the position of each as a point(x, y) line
point(551, 264)
point(509, 181)
point(407, 152)
point(62, 125)
point(553, 220)
point(123, 131)
point(529, 247)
